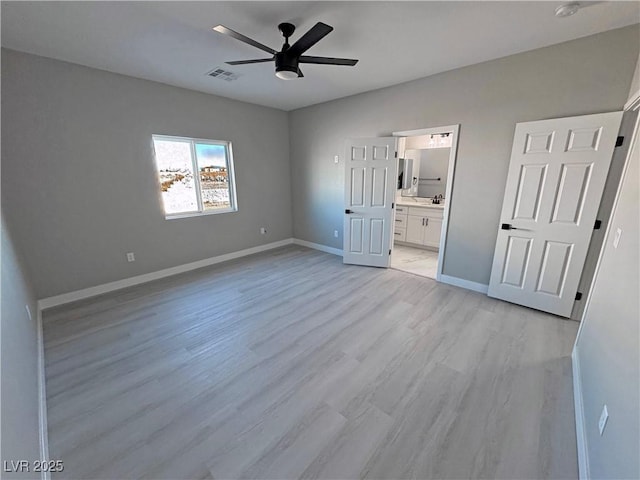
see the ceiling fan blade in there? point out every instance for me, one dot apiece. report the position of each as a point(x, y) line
point(243, 38)
point(328, 60)
point(300, 75)
point(245, 62)
point(309, 39)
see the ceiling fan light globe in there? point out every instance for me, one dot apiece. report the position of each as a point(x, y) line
point(567, 9)
point(286, 74)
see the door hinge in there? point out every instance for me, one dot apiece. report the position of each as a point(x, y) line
point(597, 225)
point(389, 251)
point(579, 296)
point(392, 205)
point(619, 141)
point(396, 154)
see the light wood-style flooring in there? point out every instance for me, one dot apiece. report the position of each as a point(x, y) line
point(289, 364)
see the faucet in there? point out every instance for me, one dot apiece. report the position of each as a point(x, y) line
point(436, 199)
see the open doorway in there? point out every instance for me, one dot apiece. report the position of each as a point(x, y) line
point(426, 164)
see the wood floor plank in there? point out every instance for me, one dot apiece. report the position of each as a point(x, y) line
point(289, 364)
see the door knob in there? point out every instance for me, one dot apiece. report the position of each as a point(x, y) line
point(347, 211)
point(508, 226)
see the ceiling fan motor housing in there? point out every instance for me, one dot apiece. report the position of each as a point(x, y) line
point(286, 62)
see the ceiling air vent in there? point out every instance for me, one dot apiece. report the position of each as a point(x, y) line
point(223, 74)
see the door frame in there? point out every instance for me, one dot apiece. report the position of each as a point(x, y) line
point(454, 130)
point(583, 459)
point(632, 104)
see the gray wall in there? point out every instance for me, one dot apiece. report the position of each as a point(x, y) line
point(78, 178)
point(20, 439)
point(609, 343)
point(587, 75)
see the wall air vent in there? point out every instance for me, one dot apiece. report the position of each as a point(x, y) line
point(223, 74)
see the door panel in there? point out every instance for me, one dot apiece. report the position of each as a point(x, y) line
point(556, 177)
point(357, 187)
point(553, 272)
point(516, 261)
point(356, 239)
point(379, 186)
point(376, 236)
point(370, 170)
point(574, 183)
point(529, 192)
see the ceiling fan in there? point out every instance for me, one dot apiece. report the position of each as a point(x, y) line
point(291, 56)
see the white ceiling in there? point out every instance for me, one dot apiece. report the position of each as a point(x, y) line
point(172, 42)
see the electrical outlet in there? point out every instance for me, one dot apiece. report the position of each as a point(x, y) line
point(335, 233)
point(28, 311)
point(336, 159)
point(131, 257)
point(603, 419)
point(263, 231)
point(616, 239)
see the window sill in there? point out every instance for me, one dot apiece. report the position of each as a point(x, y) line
point(199, 214)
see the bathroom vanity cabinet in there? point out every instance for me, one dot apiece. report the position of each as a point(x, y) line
point(420, 226)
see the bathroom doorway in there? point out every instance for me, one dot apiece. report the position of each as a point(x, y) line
point(426, 164)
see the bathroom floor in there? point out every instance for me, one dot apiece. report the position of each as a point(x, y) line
point(415, 260)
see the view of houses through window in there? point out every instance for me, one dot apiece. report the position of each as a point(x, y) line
point(196, 176)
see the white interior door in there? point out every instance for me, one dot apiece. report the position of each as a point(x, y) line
point(556, 177)
point(370, 181)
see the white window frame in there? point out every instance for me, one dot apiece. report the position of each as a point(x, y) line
point(196, 174)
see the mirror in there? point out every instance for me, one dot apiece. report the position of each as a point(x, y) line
point(434, 166)
point(405, 174)
point(408, 168)
point(424, 165)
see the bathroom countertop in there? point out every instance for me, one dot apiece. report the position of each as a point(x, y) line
point(418, 202)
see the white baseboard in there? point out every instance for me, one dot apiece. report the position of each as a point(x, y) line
point(56, 300)
point(461, 282)
point(583, 458)
point(458, 282)
point(42, 398)
point(318, 246)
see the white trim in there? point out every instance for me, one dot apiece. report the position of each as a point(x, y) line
point(461, 282)
point(633, 102)
point(630, 152)
point(318, 246)
point(233, 200)
point(199, 214)
point(54, 301)
point(49, 302)
point(426, 131)
point(453, 152)
point(455, 281)
point(581, 438)
point(583, 454)
point(42, 398)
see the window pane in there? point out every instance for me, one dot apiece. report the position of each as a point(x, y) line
point(175, 170)
point(214, 176)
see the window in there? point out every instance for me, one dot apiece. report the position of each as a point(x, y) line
point(195, 176)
